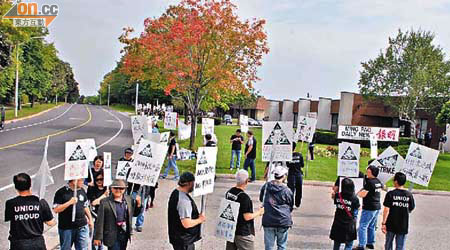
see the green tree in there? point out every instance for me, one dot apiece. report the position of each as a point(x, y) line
point(443, 118)
point(410, 74)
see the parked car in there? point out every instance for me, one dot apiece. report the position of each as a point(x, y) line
point(253, 122)
point(227, 119)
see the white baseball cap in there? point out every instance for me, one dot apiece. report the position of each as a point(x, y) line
point(279, 171)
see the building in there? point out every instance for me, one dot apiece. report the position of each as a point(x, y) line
point(256, 110)
point(351, 109)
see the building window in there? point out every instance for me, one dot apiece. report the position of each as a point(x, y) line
point(421, 128)
point(295, 120)
point(334, 122)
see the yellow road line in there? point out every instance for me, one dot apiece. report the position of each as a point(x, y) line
point(51, 135)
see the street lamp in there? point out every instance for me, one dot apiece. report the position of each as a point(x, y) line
point(16, 94)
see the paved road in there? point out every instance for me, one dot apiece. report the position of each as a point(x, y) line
point(429, 229)
point(22, 144)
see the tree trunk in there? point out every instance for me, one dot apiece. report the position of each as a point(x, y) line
point(32, 101)
point(193, 129)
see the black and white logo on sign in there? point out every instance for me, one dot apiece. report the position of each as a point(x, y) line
point(416, 153)
point(228, 213)
point(78, 155)
point(282, 138)
point(202, 159)
point(147, 151)
point(349, 155)
point(124, 170)
point(389, 161)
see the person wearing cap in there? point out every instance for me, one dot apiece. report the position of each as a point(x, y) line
point(295, 175)
point(278, 204)
point(371, 208)
point(128, 154)
point(184, 219)
point(245, 228)
point(113, 226)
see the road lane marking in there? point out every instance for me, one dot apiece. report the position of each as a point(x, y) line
point(75, 118)
point(37, 123)
point(50, 135)
point(62, 164)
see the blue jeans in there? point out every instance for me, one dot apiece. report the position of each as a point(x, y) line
point(250, 162)
point(121, 242)
point(144, 200)
point(367, 227)
point(172, 163)
point(238, 160)
point(348, 245)
point(275, 234)
point(79, 237)
point(400, 240)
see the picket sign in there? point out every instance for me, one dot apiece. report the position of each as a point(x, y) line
point(348, 159)
point(284, 134)
point(373, 146)
point(207, 126)
point(170, 120)
point(389, 162)
point(419, 164)
point(90, 142)
point(107, 173)
point(306, 127)
point(122, 169)
point(227, 219)
point(205, 171)
point(363, 133)
point(243, 122)
point(359, 183)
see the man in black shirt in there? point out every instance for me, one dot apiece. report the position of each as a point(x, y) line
point(27, 215)
point(295, 175)
point(73, 232)
point(172, 158)
point(370, 210)
point(184, 219)
point(398, 203)
point(250, 154)
point(245, 228)
point(236, 141)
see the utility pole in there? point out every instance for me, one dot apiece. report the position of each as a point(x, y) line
point(56, 100)
point(100, 99)
point(16, 93)
point(109, 90)
point(137, 96)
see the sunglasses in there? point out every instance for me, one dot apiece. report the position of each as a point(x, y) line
point(118, 188)
point(99, 179)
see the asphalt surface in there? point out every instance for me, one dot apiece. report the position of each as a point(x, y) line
point(22, 145)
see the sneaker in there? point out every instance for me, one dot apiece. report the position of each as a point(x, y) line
point(139, 229)
point(231, 169)
point(370, 246)
point(358, 248)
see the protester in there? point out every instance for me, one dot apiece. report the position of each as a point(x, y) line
point(3, 117)
point(250, 155)
point(442, 141)
point(343, 230)
point(73, 232)
point(236, 141)
point(311, 147)
point(278, 204)
point(398, 203)
point(295, 175)
point(138, 192)
point(113, 226)
point(184, 220)
point(95, 194)
point(172, 157)
point(27, 215)
point(335, 187)
point(152, 190)
point(370, 209)
point(428, 138)
point(209, 141)
point(96, 170)
point(128, 154)
point(155, 128)
point(245, 228)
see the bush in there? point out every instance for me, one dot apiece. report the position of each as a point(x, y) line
point(326, 137)
point(402, 150)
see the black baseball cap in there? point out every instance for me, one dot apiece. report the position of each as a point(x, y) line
point(185, 178)
point(129, 150)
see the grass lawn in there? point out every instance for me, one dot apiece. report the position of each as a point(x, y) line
point(122, 108)
point(27, 110)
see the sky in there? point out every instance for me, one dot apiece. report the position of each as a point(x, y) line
point(316, 46)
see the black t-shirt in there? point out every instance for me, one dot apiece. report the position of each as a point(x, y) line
point(172, 143)
point(352, 204)
point(252, 154)
point(236, 145)
point(94, 193)
point(295, 166)
point(243, 227)
point(27, 215)
point(400, 203)
point(372, 199)
point(62, 196)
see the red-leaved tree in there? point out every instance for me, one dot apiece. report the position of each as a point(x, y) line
point(197, 50)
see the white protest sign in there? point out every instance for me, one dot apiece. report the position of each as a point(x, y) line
point(107, 173)
point(348, 159)
point(139, 128)
point(147, 164)
point(362, 133)
point(227, 220)
point(285, 134)
point(170, 120)
point(311, 115)
point(164, 138)
point(306, 128)
point(243, 122)
point(76, 161)
point(359, 183)
point(185, 154)
point(419, 164)
point(205, 170)
point(389, 162)
point(184, 131)
point(373, 146)
point(92, 149)
point(122, 169)
point(207, 126)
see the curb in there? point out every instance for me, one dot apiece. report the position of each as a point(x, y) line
point(34, 115)
point(330, 184)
